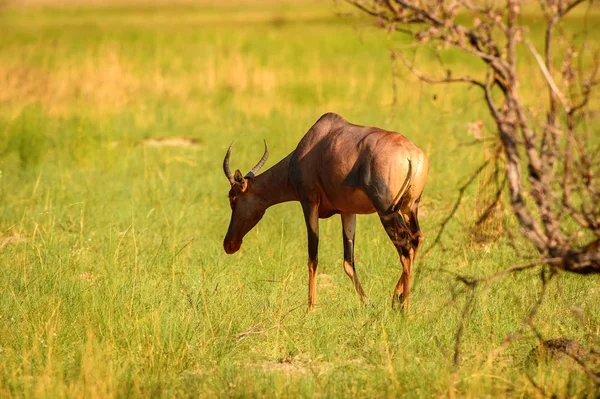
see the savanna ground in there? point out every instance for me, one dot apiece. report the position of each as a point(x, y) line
point(113, 277)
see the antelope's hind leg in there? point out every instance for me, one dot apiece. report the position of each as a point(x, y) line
point(402, 238)
point(412, 215)
point(348, 232)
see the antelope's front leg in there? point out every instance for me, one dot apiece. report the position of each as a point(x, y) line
point(311, 216)
point(348, 233)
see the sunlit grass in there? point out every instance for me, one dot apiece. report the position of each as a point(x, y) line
point(113, 277)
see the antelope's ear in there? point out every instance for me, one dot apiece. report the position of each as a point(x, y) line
point(239, 179)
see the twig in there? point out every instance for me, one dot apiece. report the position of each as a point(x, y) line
point(497, 197)
point(157, 252)
point(394, 86)
point(252, 330)
point(421, 76)
point(461, 192)
point(183, 247)
point(593, 375)
point(457, 340)
point(290, 311)
point(548, 76)
point(514, 269)
point(536, 386)
point(528, 320)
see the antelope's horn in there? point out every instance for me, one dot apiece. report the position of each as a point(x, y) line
point(260, 163)
point(226, 164)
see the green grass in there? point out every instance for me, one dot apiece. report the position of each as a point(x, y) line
point(113, 277)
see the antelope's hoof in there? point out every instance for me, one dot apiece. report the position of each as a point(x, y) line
point(398, 302)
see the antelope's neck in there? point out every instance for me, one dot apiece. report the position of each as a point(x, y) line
point(274, 184)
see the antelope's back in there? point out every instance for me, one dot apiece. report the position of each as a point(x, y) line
point(335, 159)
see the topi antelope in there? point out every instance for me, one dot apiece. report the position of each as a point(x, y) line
point(340, 168)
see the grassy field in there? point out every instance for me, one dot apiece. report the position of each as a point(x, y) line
point(113, 280)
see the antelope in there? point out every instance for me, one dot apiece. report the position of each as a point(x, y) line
point(338, 168)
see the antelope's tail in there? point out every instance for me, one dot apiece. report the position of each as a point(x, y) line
point(404, 188)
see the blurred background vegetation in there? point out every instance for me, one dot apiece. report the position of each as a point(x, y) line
point(114, 120)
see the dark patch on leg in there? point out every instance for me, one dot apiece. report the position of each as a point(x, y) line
point(403, 239)
point(348, 234)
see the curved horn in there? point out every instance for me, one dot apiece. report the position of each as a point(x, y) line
point(226, 164)
point(260, 163)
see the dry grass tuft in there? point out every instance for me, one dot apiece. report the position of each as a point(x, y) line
point(171, 142)
point(13, 239)
point(101, 81)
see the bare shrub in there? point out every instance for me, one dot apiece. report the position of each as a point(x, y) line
point(549, 164)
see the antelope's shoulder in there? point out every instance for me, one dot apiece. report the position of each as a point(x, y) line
point(322, 128)
point(329, 122)
point(330, 117)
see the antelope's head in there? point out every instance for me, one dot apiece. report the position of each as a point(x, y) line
point(247, 207)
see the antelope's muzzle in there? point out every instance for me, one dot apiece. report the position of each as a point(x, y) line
point(231, 246)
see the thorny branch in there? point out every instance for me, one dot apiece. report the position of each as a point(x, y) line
point(458, 338)
point(550, 171)
point(461, 192)
point(550, 168)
